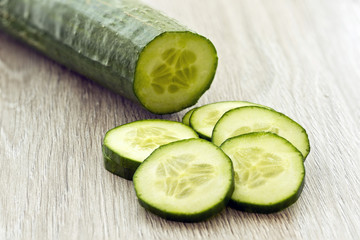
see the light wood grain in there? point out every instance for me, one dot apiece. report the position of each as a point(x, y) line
point(299, 57)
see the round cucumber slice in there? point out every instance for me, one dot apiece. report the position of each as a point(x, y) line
point(257, 119)
point(128, 145)
point(186, 118)
point(204, 118)
point(177, 183)
point(174, 70)
point(269, 172)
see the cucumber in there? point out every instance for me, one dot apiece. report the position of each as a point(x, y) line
point(117, 169)
point(177, 183)
point(186, 118)
point(123, 45)
point(204, 118)
point(256, 119)
point(269, 172)
point(125, 147)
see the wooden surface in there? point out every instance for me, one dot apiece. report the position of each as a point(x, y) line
point(299, 57)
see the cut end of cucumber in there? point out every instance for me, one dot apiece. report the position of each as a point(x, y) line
point(173, 71)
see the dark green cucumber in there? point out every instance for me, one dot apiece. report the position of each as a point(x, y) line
point(177, 183)
point(125, 147)
point(123, 45)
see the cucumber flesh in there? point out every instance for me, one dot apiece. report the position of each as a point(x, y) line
point(257, 119)
point(128, 145)
point(205, 117)
point(176, 183)
point(174, 70)
point(186, 118)
point(269, 172)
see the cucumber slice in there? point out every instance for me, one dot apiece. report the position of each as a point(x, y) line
point(174, 70)
point(257, 119)
point(204, 118)
point(128, 145)
point(186, 118)
point(269, 172)
point(177, 183)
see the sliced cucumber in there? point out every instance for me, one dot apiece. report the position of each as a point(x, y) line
point(128, 145)
point(204, 118)
point(257, 119)
point(177, 183)
point(174, 70)
point(186, 118)
point(269, 172)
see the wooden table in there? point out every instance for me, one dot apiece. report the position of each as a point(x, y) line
point(299, 57)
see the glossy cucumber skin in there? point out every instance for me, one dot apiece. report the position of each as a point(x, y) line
point(125, 170)
point(100, 39)
point(119, 165)
point(266, 209)
point(208, 213)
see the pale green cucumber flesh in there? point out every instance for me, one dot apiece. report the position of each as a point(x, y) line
point(186, 118)
point(177, 183)
point(114, 43)
point(204, 118)
point(257, 119)
point(174, 70)
point(269, 172)
point(129, 144)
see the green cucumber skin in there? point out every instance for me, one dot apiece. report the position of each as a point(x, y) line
point(255, 208)
point(101, 40)
point(121, 166)
point(194, 217)
point(186, 118)
point(116, 169)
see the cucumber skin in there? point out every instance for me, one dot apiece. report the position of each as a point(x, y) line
point(254, 208)
point(186, 118)
point(116, 169)
point(101, 40)
point(119, 165)
point(193, 217)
